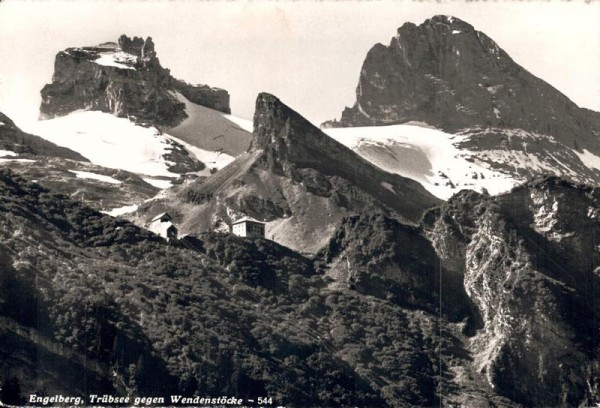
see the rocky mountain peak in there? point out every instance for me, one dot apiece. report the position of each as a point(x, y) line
point(125, 79)
point(289, 141)
point(277, 124)
point(451, 76)
point(449, 22)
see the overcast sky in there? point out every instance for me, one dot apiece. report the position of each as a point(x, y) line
point(307, 53)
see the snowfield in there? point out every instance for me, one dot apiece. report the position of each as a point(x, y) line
point(109, 141)
point(589, 159)
point(4, 153)
point(424, 154)
point(162, 184)
point(118, 143)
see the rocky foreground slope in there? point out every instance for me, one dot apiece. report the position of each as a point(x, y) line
point(476, 306)
point(125, 79)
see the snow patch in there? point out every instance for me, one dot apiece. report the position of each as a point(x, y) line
point(497, 112)
point(589, 159)
point(388, 186)
point(115, 212)
point(2, 161)
point(162, 184)
point(4, 153)
point(361, 110)
point(116, 59)
point(456, 31)
point(95, 176)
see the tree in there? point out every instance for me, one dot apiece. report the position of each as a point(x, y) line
point(11, 392)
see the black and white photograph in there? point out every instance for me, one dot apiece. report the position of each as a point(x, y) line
point(299, 204)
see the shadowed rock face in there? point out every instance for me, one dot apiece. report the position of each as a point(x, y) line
point(447, 74)
point(133, 84)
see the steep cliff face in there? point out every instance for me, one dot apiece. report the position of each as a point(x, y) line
point(382, 257)
point(295, 177)
point(446, 73)
point(125, 79)
point(538, 345)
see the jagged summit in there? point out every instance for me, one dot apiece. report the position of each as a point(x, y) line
point(285, 136)
point(442, 23)
point(137, 46)
point(125, 79)
point(271, 114)
point(449, 21)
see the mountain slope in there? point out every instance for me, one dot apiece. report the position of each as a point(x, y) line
point(474, 307)
point(16, 142)
point(68, 172)
point(148, 318)
point(529, 263)
point(295, 177)
point(211, 130)
point(450, 76)
point(518, 273)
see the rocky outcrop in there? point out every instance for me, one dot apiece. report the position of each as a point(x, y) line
point(214, 98)
point(532, 274)
point(382, 257)
point(14, 140)
point(125, 79)
point(449, 75)
point(291, 145)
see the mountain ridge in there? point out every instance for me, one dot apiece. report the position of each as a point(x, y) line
point(294, 177)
